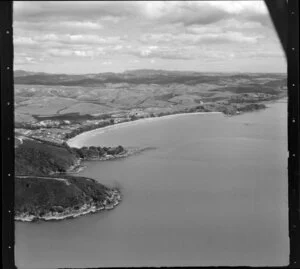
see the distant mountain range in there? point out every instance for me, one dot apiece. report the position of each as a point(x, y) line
point(141, 76)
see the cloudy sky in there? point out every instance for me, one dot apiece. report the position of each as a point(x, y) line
point(93, 37)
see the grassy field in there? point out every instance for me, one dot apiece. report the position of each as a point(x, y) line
point(53, 95)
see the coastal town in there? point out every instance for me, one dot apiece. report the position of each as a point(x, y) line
point(60, 130)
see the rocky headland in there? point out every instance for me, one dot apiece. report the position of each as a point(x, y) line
point(52, 198)
point(45, 191)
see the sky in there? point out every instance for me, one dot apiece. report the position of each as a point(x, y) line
point(92, 37)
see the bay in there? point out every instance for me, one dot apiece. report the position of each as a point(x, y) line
point(212, 191)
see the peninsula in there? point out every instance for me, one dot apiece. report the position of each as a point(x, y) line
point(45, 191)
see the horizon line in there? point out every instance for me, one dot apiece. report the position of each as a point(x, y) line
point(145, 69)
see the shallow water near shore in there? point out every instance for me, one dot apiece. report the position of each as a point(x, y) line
point(212, 192)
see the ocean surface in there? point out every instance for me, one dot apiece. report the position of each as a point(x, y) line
point(213, 191)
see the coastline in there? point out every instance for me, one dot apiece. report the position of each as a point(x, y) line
point(75, 142)
point(78, 166)
point(112, 200)
point(87, 208)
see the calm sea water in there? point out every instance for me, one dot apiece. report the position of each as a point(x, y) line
point(213, 192)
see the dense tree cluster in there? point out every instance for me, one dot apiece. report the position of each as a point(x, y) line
point(39, 190)
point(92, 152)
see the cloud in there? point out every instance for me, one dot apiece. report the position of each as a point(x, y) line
point(241, 7)
point(232, 24)
point(134, 61)
point(67, 41)
point(217, 37)
point(24, 41)
point(60, 52)
point(183, 12)
point(68, 10)
point(228, 37)
point(162, 52)
point(78, 39)
point(82, 25)
point(89, 39)
point(263, 54)
point(24, 61)
point(59, 26)
point(255, 11)
point(204, 12)
point(141, 31)
point(75, 52)
point(260, 18)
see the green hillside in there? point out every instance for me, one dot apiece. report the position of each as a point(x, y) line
point(42, 192)
point(33, 157)
point(40, 195)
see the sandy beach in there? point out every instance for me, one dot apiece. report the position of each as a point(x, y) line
point(78, 140)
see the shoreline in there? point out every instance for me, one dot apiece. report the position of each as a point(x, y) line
point(75, 141)
point(87, 208)
point(78, 166)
